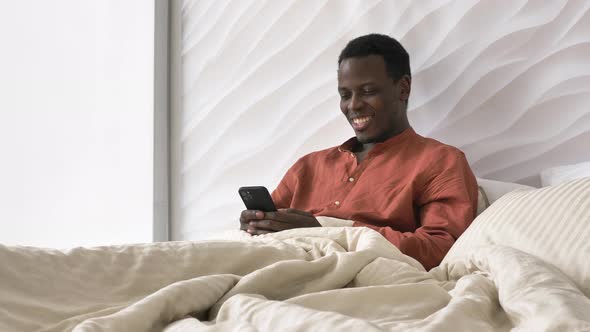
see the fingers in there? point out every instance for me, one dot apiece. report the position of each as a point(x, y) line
point(251, 215)
point(258, 227)
point(248, 215)
point(270, 225)
point(258, 222)
point(262, 227)
point(298, 212)
point(254, 231)
point(284, 217)
point(295, 218)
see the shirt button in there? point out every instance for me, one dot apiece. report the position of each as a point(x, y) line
point(337, 203)
point(351, 179)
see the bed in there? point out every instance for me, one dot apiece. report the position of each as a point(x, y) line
point(522, 265)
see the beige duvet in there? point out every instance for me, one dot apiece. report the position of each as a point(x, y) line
point(317, 279)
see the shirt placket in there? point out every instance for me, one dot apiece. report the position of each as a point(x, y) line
point(349, 180)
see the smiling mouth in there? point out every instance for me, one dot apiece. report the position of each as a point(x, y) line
point(361, 123)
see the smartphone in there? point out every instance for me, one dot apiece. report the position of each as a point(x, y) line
point(257, 198)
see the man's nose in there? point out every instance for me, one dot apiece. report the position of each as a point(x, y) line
point(356, 102)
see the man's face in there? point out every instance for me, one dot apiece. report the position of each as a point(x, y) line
point(373, 102)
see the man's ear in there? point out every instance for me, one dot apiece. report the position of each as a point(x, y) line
point(405, 86)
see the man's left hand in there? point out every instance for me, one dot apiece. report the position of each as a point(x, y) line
point(281, 220)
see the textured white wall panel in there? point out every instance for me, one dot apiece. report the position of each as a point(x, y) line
point(508, 82)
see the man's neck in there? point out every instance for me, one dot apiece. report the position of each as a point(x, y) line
point(361, 155)
point(366, 147)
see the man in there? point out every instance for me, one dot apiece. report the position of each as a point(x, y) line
point(418, 193)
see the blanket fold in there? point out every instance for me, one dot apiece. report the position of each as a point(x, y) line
point(329, 278)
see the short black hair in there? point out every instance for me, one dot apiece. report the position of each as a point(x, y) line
point(397, 59)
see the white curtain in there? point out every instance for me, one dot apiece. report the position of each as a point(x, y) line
point(76, 122)
point(508, 82)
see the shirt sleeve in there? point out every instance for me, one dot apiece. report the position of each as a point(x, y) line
point(282, 196)
point(446, 206)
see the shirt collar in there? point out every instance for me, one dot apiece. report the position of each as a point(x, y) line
point(389, 143)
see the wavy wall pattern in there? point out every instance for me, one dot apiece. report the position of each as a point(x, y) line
point(508, 82)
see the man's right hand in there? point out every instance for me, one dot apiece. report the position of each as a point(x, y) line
point(258, 222)
point(249, 215)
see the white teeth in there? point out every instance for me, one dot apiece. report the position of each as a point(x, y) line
point(361, 120)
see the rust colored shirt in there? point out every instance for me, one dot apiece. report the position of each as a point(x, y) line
point(420, 194)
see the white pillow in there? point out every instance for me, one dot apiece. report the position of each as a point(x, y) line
point(482, 200)
point(496, 189)
point(552, 223)
point(560, 174)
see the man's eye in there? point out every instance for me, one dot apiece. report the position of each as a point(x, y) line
point(369, 92)
point(344, 96)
